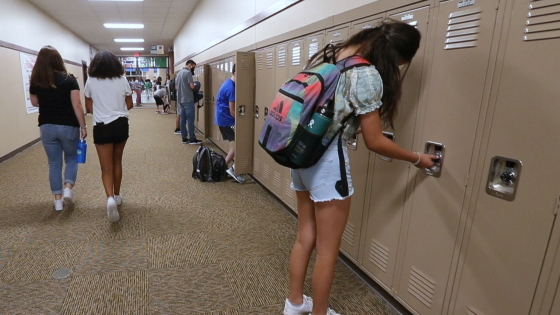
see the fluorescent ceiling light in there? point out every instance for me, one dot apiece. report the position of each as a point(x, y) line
point(132, 48)
point(129, 40)
point(122, 25)
point(114, 0)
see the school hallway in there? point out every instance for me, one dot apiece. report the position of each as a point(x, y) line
point(181, 246)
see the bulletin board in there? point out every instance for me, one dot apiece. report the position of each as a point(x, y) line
point(27, 63)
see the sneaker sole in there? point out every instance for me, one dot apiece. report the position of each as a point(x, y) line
point(113, 215)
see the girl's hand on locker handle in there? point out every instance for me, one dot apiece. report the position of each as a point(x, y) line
point(427, 161)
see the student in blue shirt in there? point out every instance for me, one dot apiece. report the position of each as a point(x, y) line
point(225, 119)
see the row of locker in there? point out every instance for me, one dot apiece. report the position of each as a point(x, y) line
point(477, 235)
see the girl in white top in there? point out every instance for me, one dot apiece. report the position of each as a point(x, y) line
point(109, 98)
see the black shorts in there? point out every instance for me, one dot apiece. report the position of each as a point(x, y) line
point(228, 133)
point(113, 132)
point(159, 100)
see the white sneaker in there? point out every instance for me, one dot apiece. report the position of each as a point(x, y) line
point(118, 199)
point(238, 178)
point(68, 195)
point(331, 312)
point(112, 211)
point(59, 205)
point(304, 308)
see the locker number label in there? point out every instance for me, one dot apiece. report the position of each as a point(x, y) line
point(465, 3)
point(407, 17)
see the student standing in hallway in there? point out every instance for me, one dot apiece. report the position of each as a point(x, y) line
point(225, 119)
point(61, 120)
point(184, 84)
point(109, 97)
point(369, 96)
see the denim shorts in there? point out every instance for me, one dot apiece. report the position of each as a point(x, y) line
point(330, 178)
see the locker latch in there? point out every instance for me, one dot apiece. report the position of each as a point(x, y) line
point(390, 136)
point(256, 111)
point(241, 110)
point(438, 150)
point(503, 178)
point(352, 143)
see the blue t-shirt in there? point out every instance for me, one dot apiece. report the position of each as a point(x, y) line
point(225, 95)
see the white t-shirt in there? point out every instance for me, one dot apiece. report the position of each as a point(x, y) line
point(108, 98)
point(161, 92)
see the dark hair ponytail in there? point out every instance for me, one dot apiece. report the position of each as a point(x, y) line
point(384, 47)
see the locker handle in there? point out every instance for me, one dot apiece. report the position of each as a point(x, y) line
point(437, 149)
point(257, 111)
point(352, 143)
point(241, 110)
point(390, 136)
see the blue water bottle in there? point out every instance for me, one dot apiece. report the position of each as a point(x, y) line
point(82, 151)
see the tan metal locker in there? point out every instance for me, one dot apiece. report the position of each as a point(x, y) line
point(452, 107)
point(259, 115)
point(337, 35)
point(268, 91)
point(314, 43)
point(391, 178)
point(215, 135)
point(206, 83)
point(363, 24)
point(516, 204)
point(244, 111)
point(201, 112)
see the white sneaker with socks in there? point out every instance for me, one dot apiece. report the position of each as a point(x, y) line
point(59, 205)
point(118, 199)
point(68, 195)
point(303, 308)
point(112, 211)
point(231, 172)
point(331, 312)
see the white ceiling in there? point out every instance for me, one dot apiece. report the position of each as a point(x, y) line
point(162, 20)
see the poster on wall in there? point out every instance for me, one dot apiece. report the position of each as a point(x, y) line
point(27, 63)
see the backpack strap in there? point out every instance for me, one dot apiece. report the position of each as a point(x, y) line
point(352, 62)
point(326, 58)
point(341, 129)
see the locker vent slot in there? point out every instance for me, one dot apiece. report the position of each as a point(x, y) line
point(243, 163)
point(349, 234)
point(473, 311)
point(463, 29)
point(266, 172)
point(257, 165)
point(543, 21)
point(313, 48)
point(289, 190)
point(379, 255)
point(269, 60)
point(421, 287)
point(282, 57)
point(296, 56)
point(259, 62)
point(277, 180)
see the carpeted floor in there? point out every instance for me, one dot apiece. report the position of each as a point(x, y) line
point(181, 247)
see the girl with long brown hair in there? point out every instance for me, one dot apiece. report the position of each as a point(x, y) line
point(61, 120)
point(369, 95)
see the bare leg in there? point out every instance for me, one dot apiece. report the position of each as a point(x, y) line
point(303, 247)
point(117, 166)
point(105, 153)
point(331, 220)
point(177, 124)
point(230, 155)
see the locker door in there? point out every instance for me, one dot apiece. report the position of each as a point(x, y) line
point(212, 110)
point(260, 97)
point(201, 112)
point(269, 89)
point(313, 43)
point(207, 85)
point(244, 111)
point(296, 61)
point(390, 178)
point(337, 35)
point(508, 239)
point(362, 25)
point(452, 108)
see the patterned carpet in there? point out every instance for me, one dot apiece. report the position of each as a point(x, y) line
point(181, 247)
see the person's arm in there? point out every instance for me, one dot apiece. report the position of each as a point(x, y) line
point(79, 111)
point(376, 142)
point(128, 101)
point(89, 105)
point(34, 100)
point(232, 109)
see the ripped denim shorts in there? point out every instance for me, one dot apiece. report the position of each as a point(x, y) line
point(330, 178)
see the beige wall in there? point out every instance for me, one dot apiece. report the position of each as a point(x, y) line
point(25, 25)
point(211, 19)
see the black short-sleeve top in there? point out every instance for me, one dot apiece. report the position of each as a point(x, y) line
point(55, 104)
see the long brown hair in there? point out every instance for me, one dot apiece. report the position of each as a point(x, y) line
point(48, 63)
point(384, 47)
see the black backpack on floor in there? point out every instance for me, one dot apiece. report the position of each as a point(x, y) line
point(208, 166)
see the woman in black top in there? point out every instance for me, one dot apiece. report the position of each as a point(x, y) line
point(61, 119)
